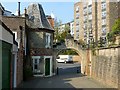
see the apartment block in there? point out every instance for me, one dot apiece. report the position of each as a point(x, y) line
point(77, 20)
point(89, 22)
point(64, 27)
point(106, 15)
point(93, 20)
point(61, 28)
point(72, 28)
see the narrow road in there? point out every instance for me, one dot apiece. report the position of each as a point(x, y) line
point(64, 81)
point(68, 68)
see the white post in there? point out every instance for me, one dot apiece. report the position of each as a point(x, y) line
point(15, 69)
point(51, 66)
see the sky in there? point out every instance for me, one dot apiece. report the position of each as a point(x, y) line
point(63, 11)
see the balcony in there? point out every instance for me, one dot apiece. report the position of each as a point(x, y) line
point(77, 9)
point(104, 9)
point(85, 35)
point(104, 17)
point(103, 1)
point(90, 35)
point(77, 23)
point(77, 29)
point(89, 12)
point(84, 13)
point(103, 33)
point(85, 20)
point(85, 6)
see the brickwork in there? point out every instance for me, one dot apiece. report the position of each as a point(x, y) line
point(51, 21)
point(105, 66)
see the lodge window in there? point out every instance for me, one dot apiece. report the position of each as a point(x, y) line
point(48, 40)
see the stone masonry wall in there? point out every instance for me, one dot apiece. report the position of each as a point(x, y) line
point(105, 66)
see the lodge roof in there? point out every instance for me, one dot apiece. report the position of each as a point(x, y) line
point(37, 15)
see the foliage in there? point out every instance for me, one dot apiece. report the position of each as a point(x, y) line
point(110, 37)
point(93, 51)
point(82, 43)
point(60, 37)
point(68, 52)
point(115, 31)
point(56, 28)
point(116, 27)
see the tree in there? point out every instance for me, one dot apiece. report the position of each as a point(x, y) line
point(60, 37)
point(116, 27)
point(115, 31)
point(56, 28)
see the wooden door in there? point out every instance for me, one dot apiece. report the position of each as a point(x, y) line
point(47, 66)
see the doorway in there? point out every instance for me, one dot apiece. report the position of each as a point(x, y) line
point(47, 66)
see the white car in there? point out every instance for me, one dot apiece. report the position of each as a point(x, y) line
point(61, 60)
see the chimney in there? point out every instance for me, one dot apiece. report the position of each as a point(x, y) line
point(18, 8)
point(25, 11)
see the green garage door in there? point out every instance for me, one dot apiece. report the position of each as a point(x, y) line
point(6, 58)
point(47, 66)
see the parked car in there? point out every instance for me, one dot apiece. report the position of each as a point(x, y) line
point(69, 59)
point(64, 59)
point(60, 60)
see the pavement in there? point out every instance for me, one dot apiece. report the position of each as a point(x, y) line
point(65, 68)
point(67, 77)
point(72, 81)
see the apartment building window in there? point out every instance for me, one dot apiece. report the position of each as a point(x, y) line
point(84, 5)
point(103, 21)
point(103, 31)
point(77, 35)
point(90, 17)
point(103, 1)
point(90, 10)
point(77, 28)
point(85, 27)
point(85, 19)
point(85, 11)
point(90, 2)
point(77, 22)
point(103, 14)
point(85, 34)
point(90, 25)
point(77, 9)
point(90, 34)
point(103, 6)
point(77, 15)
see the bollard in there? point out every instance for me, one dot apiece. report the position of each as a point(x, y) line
point(78, 70)
point(57, 70)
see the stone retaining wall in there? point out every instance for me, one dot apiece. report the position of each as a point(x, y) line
point(104, 66)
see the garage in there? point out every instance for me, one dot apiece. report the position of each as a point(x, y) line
point(6, 58)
